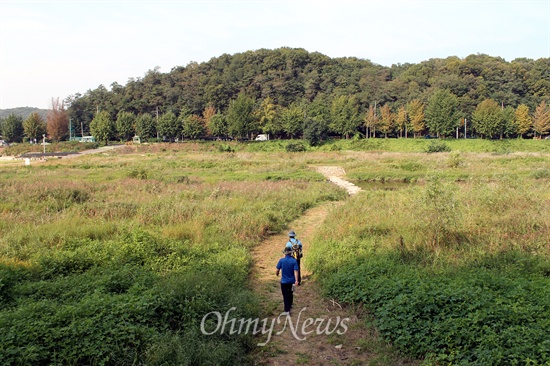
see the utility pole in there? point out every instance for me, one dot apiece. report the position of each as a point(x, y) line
point(70, 129)
point(44, 143)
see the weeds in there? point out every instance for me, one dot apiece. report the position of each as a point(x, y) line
point(116, 259)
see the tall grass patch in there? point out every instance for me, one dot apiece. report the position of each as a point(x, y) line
point(452, 272)
point(115, 259)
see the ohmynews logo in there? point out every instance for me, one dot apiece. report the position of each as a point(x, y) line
point(215, 322)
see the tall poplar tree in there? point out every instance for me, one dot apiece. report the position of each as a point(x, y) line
point(522, 120)
point(125, 122)
point(401, 121)
point(344, 115)
point(541, 119)
point(102, 127)
point(240, 116)
point(292, 120)
point(415, 111)
point(442, 114)
point(267, 115)
point(168, 126)
point(371, 121)
point(145, 126)
point(34, 126)
point(487, 118)
point(386, 124)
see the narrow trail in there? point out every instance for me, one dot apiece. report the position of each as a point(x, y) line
point(314, 349)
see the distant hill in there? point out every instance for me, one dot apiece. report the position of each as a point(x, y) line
point(24, 112)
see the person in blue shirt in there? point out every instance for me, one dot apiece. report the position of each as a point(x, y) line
point(296, 246)
point(288, 267)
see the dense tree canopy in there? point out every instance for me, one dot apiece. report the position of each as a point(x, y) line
point(12, 128)
point(442, 113)
point(34, 126)
point(276, 79)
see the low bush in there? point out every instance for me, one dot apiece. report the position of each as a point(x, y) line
point(437, 146)
point(466, 316)
point(445, 278)
point(295, 147)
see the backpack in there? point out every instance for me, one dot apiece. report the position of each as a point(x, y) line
point(296, 250)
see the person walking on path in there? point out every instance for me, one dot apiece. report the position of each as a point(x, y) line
point(288, 267)
point(296, 246)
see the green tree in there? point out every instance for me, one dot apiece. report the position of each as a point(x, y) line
point(125, 125)
point(344, 115)
point(102, 127)
point(193, 127)
point(541, 119)
point(217, 125)
point(487, 119)
point(34, 126)
point(240, 116)
point(415, 111)
point(314, 131)
point(267, 116)
point(522, 120)
point(12, 128)
point(442, 114)
point(292, 120)
point(145, 126)
point(168, 126)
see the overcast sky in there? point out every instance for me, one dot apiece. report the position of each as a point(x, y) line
point(58, 48)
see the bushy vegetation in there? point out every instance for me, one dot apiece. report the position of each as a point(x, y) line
point(289, 92)
point(453, 269)
point(66, 146)
point(115, 259)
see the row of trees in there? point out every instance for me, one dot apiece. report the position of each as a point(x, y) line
point(287, 77)
point(290, 92)
point(245, 117)
point(14, 128)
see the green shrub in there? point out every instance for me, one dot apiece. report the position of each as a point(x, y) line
point(225, 148)
point(295, 147)
point(438, 146)
point(460, 316)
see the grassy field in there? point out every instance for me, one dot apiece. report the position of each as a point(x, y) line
point(449, 252)
point(115, 258)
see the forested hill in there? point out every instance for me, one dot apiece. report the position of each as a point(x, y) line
point(23, 112)
point(288, 76)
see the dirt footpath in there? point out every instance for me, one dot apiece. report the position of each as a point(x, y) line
point(335, 174)
point(334, 335)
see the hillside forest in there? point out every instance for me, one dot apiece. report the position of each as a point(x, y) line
point(293, 93)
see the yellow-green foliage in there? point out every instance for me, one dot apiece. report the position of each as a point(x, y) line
point(453, 267)
point(115, 258)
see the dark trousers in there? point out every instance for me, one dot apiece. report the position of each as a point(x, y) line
point(288, 295)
